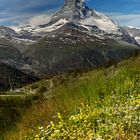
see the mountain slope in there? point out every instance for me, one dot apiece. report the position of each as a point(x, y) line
point(9, 53)
point(11, 78)
point(72, 49)
point(12, 45)
point(20, 40)
point(133, 32)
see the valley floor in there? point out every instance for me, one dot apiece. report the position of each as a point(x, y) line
point(100, 104)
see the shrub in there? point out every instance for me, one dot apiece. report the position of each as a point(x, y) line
point(42, 89)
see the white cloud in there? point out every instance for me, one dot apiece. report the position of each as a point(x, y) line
point(29, 19)
point(21, 11)
point(126, 19)
point(39, 19)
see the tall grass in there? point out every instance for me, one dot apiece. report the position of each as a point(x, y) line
point(102, 103)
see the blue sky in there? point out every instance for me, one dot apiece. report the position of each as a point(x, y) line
point(14, 12)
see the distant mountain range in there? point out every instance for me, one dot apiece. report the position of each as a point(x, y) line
point(76, 38)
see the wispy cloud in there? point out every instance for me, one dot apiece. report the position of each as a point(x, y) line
point(38, 20)
point(126, 19)
point(19, 11)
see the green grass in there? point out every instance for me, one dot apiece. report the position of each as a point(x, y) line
point(103, 103)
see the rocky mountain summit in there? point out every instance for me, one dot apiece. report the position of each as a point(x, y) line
point(73, 10)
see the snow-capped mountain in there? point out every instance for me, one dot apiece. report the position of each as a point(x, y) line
point(134, 32)
point(75, 13)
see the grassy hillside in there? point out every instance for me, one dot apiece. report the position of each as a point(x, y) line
point(11, 78)
point(99, 104)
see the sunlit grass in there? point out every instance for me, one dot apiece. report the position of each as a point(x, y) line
point(100, 104)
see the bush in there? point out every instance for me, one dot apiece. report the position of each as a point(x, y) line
point(42, 89)
point(34, 86)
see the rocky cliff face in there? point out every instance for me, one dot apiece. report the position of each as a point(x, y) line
point(134, 32)
point(72, 10)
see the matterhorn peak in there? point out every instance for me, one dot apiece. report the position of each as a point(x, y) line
point(75, 14)
point(72, 10)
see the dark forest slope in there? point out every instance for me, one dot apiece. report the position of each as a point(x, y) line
point(11, 78)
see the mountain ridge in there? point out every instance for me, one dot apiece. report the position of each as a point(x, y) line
point(133, 31)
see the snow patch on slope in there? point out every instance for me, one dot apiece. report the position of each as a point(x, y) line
point(137, 39)
point(52, 27)
point(134, 32)
point(102, 22)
